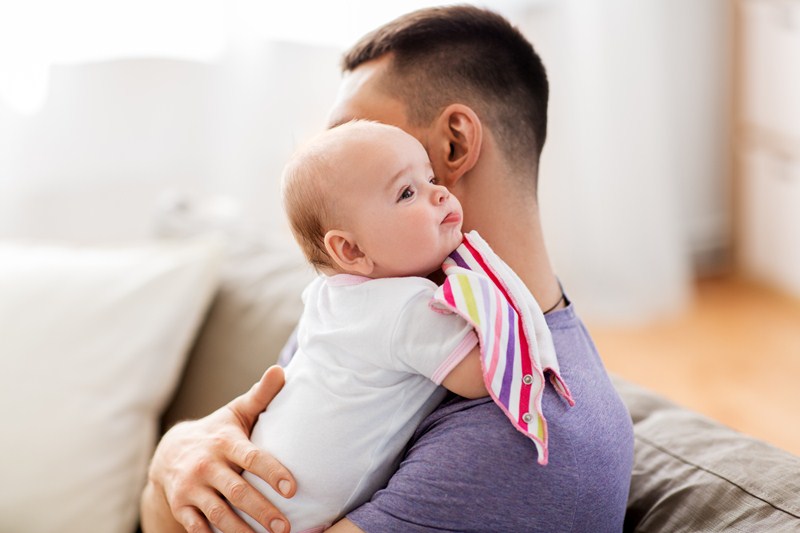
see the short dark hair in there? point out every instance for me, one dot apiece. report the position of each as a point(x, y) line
point(468, 55)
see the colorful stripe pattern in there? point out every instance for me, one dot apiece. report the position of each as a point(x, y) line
point(512, 368)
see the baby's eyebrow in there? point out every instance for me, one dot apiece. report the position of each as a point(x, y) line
point(397, 176)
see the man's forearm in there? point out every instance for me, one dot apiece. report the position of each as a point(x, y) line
point(155, 514)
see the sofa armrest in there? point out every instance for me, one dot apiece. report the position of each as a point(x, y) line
point(691, 473)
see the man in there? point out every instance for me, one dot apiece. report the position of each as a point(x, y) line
point(472, 90)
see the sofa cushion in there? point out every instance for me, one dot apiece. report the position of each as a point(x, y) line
point(91, 346)
point(693, 474)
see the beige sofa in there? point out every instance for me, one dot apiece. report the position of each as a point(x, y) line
point(690, 473)
point(105, 364)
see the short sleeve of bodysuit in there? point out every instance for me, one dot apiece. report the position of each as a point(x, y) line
point(429, 342)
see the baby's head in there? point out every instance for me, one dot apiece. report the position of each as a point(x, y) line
point(362, 199)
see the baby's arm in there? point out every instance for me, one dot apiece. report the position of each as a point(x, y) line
point(466, 379)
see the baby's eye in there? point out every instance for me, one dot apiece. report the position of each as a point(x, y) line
point(407, 193)
point(433, 180)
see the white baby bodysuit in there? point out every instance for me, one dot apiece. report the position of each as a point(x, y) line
point(371, 354)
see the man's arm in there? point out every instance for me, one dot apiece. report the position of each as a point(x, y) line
point(196, 469)
point(466, 379)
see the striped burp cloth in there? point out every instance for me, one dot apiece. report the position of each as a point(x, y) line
point(515, 342)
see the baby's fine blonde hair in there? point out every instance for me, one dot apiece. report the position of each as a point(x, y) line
point(309, 194)
point(305, 204)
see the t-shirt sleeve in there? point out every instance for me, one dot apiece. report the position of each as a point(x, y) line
point(429, 342)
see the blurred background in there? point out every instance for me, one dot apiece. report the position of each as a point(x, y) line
point(670, 181)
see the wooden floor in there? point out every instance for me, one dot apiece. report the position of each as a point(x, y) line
point(734, 355)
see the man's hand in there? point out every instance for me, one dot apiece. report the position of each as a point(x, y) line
point(196, 468)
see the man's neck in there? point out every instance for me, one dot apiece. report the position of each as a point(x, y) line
point(509, 221)
point(517, 238)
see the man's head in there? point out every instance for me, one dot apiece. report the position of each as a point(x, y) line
point(361, 199)
point(461, 54)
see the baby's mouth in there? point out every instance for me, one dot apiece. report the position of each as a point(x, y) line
point(452, 218)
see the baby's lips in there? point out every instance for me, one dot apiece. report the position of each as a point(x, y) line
point(452, 218)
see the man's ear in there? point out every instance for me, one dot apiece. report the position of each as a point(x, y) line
point(455, 146)
point(343, 249)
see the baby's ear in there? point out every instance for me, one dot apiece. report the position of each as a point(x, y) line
point(343, 249)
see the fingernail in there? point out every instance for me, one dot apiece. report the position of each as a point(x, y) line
point(284, 486)
point(277, 526)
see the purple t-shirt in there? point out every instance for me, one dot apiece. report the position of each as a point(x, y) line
point(467, 469)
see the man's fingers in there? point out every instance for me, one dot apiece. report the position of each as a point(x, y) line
point(249, 405)
point(245, 455)
point(244, 497)
point(196, 466)
point(260, 463)
point(191, 520)
point(268, 387)
point(219, 513)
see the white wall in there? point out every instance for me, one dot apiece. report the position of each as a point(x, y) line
point(699, 62)
point(112, 136)
point(633, 175)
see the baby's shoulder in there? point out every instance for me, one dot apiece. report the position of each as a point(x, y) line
point(401, 293)
point(407, 285)
point(383, 297)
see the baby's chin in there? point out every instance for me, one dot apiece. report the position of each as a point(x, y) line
point(433, 268)
point(437, 273)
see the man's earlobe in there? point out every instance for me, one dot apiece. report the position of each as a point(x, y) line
point(345, 252)
point(459, 134)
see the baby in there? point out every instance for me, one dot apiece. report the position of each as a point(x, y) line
point(367, 211)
